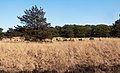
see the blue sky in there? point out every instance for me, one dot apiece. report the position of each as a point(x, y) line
point(60, 12)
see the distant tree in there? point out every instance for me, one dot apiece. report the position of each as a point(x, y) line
point(59, 31)
point(1, 33)
point(116, 29)
point(10, 33)
point(1, 29)
point(67, 31)
point(89, 30)
point(23, 31)
point(101, 30)
point(80, 31)
point(53, 32)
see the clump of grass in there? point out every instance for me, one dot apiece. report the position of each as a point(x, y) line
point(71, 39)
point(65, 39)
point(80, 39)
point(91, 38)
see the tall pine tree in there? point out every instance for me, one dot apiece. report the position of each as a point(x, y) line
point(35, 23)
point(34, 18)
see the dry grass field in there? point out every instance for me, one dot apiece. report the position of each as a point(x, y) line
point(59, 56)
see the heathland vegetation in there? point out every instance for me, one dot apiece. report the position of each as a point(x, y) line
point(72, 52)
point(61, 57)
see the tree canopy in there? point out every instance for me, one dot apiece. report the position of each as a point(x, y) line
point(116, 28)
point(35, 24)
point(34, 18)
point(1, 33)
point(36, 28)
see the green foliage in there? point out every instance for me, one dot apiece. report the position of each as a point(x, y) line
point(101, 30)
point(67, 31)
point(1, 29)
point(116, 29)
point(1, 33)
point(80, 31)
point(58, 29)
point(36, 27)
point(34, 18)
point(13, 33)
point(53, 32)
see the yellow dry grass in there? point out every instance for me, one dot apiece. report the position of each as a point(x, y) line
point(58, 55)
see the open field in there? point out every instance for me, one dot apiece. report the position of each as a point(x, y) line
point(64, 56)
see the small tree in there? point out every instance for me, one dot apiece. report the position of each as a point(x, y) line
point(34, 18)
point(35, 23)
point(116, 29)
point(1, 33)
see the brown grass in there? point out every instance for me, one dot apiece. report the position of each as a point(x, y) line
point(58, 56)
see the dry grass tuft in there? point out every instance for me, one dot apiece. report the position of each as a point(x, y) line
point(58, 56)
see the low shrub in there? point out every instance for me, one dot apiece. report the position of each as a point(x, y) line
point(80, 39)
point(91, 38)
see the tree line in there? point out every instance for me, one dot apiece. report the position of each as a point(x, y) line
point(35, 28)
